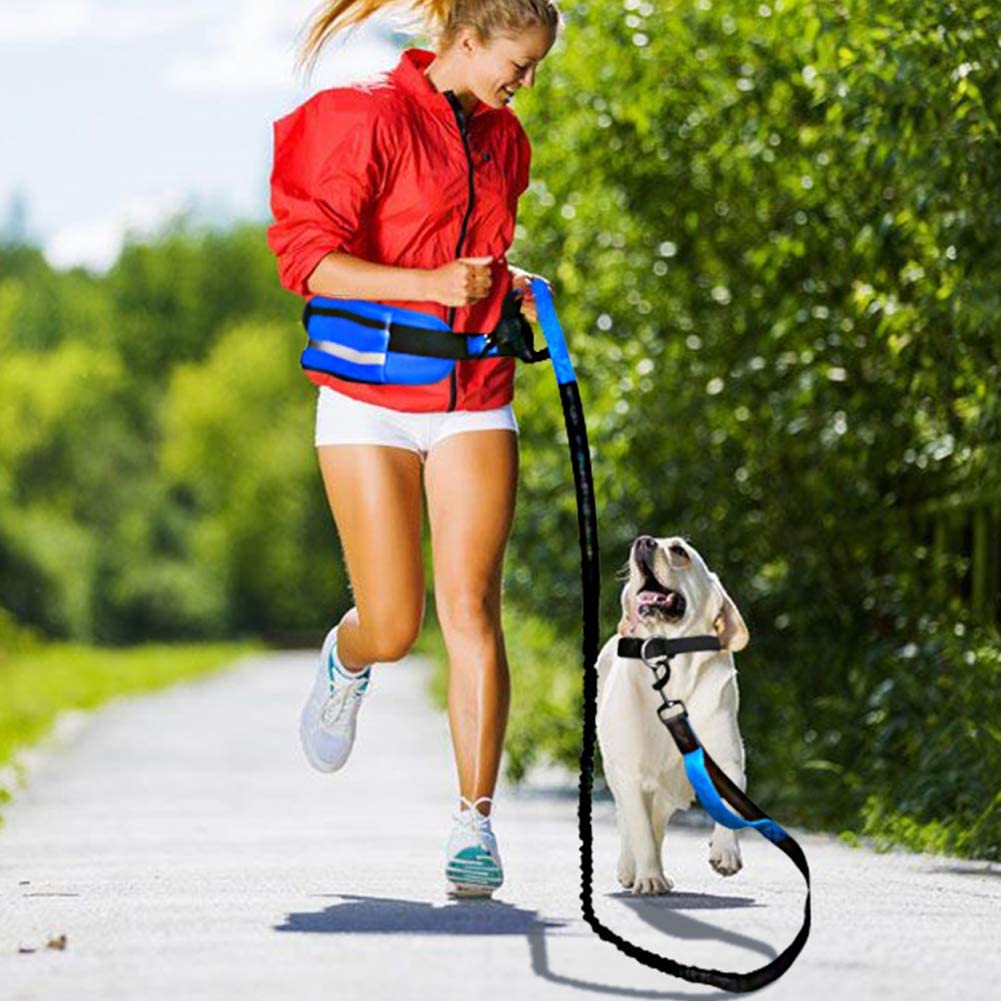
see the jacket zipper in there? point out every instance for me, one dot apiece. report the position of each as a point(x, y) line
point(461, 120)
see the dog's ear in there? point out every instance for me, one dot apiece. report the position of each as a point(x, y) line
point(626, 621)
point(729, 623)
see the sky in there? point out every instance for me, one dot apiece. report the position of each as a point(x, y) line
point(117, 114)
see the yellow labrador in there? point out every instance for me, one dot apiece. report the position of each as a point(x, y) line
point(670, 592)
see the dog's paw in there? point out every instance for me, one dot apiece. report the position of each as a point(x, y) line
point(725, 859)
point(652, 883)
point(626, 873)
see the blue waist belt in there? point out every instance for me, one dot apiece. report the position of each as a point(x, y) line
point(365, 341)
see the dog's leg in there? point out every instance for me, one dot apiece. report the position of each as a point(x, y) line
point(724, 852)
point(661, 813)
point(626, 869)
point(634, 809)
point(662, 810)
point(727, 750)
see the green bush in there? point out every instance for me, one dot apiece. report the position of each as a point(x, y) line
point(779, 288)
point(772, 236)
point(15, 638)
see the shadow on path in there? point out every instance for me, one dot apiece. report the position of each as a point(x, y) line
point(388, 915)
point(664, 915)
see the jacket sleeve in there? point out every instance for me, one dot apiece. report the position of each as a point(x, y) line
point(524, 162)
point(327, 168)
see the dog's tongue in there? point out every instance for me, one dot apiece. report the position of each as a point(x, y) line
point(655, 598)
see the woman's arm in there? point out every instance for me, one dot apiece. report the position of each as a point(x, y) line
point(340, 275)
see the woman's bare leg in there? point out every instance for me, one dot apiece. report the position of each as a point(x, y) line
point(374, 492)
point(471, 482)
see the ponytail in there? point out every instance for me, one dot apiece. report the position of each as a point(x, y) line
point(440, 19)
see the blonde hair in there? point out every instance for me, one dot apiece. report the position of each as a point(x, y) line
point(441, 19)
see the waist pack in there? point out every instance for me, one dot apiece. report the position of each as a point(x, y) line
point(365, 341)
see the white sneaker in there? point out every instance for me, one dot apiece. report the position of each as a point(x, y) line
point(473, 863)
point(327, 723)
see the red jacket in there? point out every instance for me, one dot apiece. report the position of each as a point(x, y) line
point(380, 170)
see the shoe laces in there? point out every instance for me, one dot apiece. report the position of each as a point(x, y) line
point(477, 822)
point(345, 692)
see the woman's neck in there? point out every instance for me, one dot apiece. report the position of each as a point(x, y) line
point(442, 79)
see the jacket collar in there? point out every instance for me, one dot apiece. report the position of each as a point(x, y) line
point(409, 75)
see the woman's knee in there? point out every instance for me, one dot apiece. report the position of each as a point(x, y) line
point(389, 635)
point(375, 497)
point(469, 610)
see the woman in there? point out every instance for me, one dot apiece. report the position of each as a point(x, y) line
point(382, 191)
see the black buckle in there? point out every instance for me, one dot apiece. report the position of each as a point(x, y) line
point(513, 334)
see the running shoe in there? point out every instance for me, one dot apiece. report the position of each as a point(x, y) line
point(473, 867)
point(329, 717)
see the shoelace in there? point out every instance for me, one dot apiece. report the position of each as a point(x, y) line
point(477, 822)
point(348, 690)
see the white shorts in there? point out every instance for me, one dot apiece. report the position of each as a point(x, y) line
point(343, 420)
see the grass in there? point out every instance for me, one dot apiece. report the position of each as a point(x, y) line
point(40, 680)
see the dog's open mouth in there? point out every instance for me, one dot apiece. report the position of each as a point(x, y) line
point(655, 599)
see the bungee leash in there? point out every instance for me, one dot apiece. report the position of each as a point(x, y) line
point(710, 783)
point(364, 341)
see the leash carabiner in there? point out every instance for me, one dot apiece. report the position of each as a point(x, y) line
point(664, 660)
point(655, 665)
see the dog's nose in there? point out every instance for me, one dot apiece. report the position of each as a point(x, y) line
point(645, 543)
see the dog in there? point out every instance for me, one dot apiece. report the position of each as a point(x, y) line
point(670, 592)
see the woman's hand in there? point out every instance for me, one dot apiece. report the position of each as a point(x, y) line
point(521, 280)
point(460, 282)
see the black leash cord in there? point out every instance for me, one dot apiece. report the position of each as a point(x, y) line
point(590, 578)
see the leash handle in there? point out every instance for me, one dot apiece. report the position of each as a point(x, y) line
point(553, 333)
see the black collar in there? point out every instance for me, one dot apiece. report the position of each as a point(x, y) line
point(646, 647)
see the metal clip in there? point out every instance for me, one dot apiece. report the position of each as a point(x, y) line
point(661, 680)
point(661, 669)
point(664, 662)
point(670, 704)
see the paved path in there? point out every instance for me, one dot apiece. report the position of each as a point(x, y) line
point(186, 850)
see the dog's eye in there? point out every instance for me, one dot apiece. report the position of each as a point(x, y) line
point(678, 550)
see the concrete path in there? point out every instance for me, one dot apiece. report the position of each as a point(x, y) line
point(186, 850)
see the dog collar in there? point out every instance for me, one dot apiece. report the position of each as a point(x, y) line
point(657, 651)
point(648, 647)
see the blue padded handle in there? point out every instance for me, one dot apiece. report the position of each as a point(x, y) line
point(553, 332)
point(695, 767)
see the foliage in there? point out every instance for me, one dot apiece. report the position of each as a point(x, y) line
point(157, 479)
point(780, 291)
point(772, 236)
